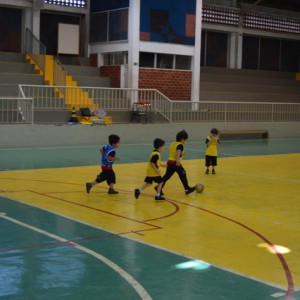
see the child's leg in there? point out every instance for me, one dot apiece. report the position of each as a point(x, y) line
point(183, 178)
point(214, 164)
point(207, 164)
point(169, 173)
point(99, 178)
point(159, 192)
point(137, 192)
point(145, 186)
point(111, 180)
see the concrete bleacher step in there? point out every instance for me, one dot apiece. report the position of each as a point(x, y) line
point(248, 79)
point(89, 81)
point(17, 78)
point(16, 67)
point(87, 76)
point(14, 71)
point(249, 88)
point(82, 70)
point(221, 84)
point(12, 57)
point(247, 72)
point(9, 90)
point(248, 97)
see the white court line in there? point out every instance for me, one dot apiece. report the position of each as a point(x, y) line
point(137, 287)
point(296, 289)
point(137, 144)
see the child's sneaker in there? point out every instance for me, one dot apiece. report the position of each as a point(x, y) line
point(213, 172)
point(137, 193)
point(159, 198)
point(88, 187)
point(161, 192)
point(112, 191)
point(207, 171)
point(190, 190)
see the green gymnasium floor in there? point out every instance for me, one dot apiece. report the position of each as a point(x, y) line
point(239, 239)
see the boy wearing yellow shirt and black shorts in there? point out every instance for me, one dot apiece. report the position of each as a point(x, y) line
point(174, 162)
point(153, 171)
point(211, 153)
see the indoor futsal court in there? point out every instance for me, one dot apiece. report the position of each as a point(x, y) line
point(239, 239)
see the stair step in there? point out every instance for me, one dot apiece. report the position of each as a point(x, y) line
point(16, 67)
point(247, 72)
point(248, 88)
point(82, 70)
point(9, 90)
point(248, 80)
point(17, 78)
point(12, 57)
point(249, 97)
point(89, 81)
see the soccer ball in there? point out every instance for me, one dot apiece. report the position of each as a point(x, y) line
point(199, 187)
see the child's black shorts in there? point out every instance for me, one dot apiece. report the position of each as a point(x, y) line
point(156, 179)
point(210, 160)
point(108, 175)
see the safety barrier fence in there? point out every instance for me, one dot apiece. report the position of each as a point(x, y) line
point(16, 111)
point(116, 99)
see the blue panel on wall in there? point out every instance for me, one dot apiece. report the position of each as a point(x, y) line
point(177, 21)
point(168, 19)
point(103, 5)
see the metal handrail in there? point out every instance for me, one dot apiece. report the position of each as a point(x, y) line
point(122, 99)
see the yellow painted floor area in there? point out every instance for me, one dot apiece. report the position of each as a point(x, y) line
point(247, 210)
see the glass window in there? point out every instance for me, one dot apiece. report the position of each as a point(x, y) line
point(250, 52)
point(269, 54)
point(147, 60)
point(98, 27)
point(115, 58)
point(183, 62)
point(216, 49)
point(164, 61)
point(290, 51)
point(118, 25)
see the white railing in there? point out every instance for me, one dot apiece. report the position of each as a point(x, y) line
point(183, 111)
point(16, 110)
point(116, 99)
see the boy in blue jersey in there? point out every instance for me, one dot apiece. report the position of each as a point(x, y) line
point(108, 158)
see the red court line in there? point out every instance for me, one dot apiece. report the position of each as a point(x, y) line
point(289, 277)
point(288, 274)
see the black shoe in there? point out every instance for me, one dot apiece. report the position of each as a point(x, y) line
point(137, 193)
point(158, 198)
point(190, 190)
point(88, 187)
point(213, 172)
point(161, 192)
point(112, 191)
point(207, 171)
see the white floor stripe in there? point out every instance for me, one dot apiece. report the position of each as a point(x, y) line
point(138, 288)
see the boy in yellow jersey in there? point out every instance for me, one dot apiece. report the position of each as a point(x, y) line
point(174, 162)
point(153, 171)
point(211, 154)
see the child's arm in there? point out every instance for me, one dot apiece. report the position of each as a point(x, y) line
point(157, 171)
point(112, 158)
